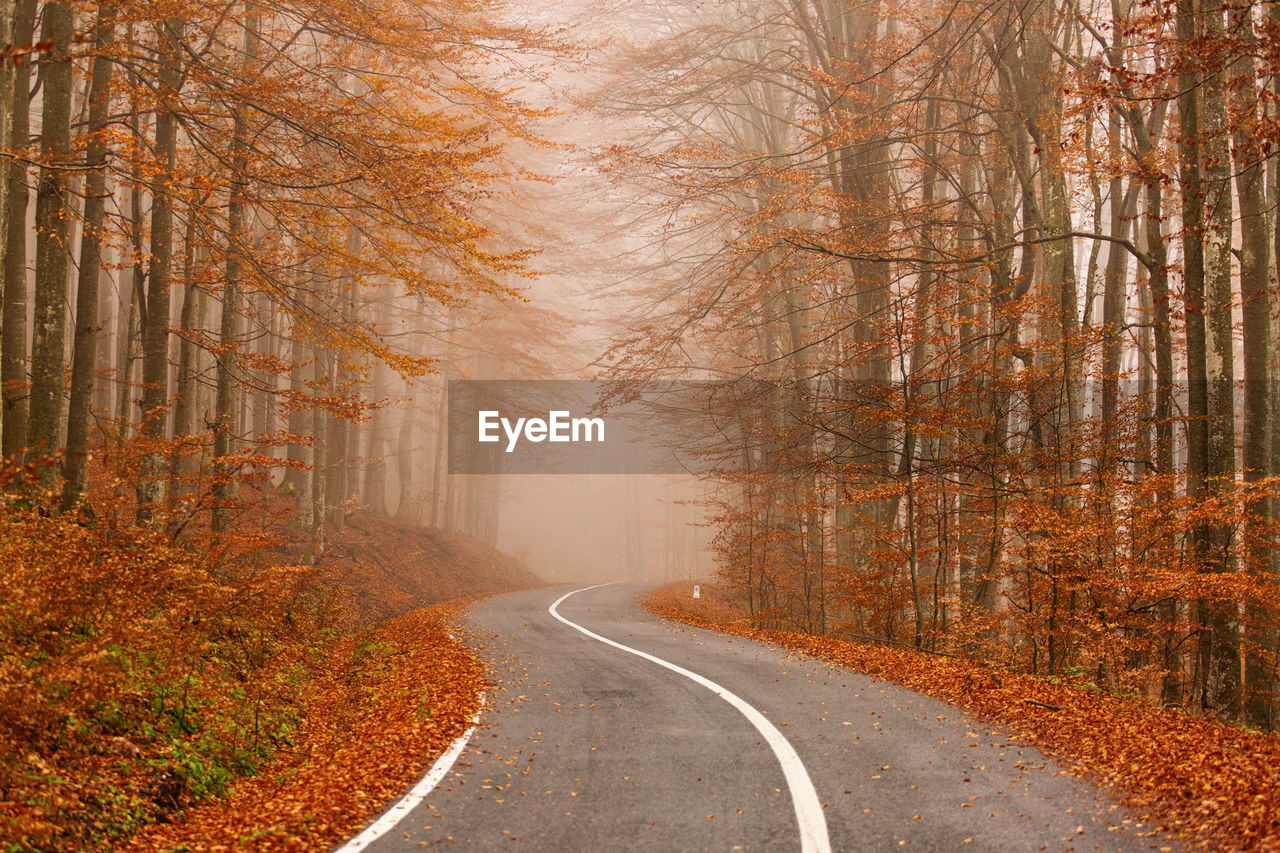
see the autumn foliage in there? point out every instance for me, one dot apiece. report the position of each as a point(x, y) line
point(140, 680)
point(1207, 781)
point(267, 218)
point(378, 716)
point(997, 284)
point(136, 681)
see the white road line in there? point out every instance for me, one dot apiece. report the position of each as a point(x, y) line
point(416, 795)
point(813, 823)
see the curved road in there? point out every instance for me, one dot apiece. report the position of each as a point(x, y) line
point(586, 746)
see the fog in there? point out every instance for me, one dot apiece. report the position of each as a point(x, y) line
point(596, 244)
point(605, 528)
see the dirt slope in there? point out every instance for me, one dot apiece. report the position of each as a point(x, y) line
point(386, 568)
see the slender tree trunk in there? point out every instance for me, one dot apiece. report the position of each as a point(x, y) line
point(343, 433)
point(1171, 683)
point(296, 478)
point(1222, 693)
point(108, 321)
point(336, 442)
point(439, 459)
point(84, 347)
point(300, 425)
point(267, 397)
point(137, 297)
point(374, 488)
point(1273, 643)
point(7, 10)
point(1193, 295)
point(184, 407)
point(1255, 270)
point(1114, 281)
point(155, 332)
point(225, 406)
point(320, 459)
point(405, 510)
point(224, 418)
point(52, 250)
point(13, 342)
point(1273, 14)
point(7, 72)
point(126, 351)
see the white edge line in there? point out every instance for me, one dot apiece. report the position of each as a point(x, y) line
point(417, 793)
point(812, 822)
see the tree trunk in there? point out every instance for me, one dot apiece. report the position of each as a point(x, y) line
point(300, 422)
point(439, 459)
point(6, 113)
point(225, 405)
point(296, 478)
point(1255, 270)
point(84, 347)
point(1273, 13)
point(1114, 282)
point(52, 250)
point(320, 458)
point(108, 321)
point(1193, 290)
point(1222, 673)
point(336, 488)
point(184, 407)
point(13, 344)
point(267, 397)
point(1171, 683)
point(374, 487)
point(135, 316)
point(155, 332)
point(1273, 385)
point(126, 353)
point(405, 511)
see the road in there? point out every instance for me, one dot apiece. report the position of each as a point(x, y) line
point(584, 746)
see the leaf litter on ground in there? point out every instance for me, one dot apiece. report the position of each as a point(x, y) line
point(1214, 784)
point(374, 724)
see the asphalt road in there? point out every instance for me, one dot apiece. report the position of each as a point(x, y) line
point(587, 747)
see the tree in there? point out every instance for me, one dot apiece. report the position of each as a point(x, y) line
point(85, 345)
point(917, 211)
point(13, 340)
point(155, 328)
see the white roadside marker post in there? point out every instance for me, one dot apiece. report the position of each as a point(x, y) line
point(697, 591)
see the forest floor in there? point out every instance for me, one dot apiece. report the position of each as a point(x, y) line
point(154, 698)
point(1215, 784)
point(387, 707)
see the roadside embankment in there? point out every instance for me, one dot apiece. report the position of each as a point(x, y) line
point(1215, 784)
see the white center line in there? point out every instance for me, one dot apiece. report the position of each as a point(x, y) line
point(813, 823)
